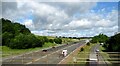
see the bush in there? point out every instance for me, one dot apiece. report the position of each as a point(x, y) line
point(51, 40)
point(17, 36)
point(113, 44)
point(82, 49)
point(6, 37)
point(58, 40)
point(88, 44)
point(22, 41)
point(99, 38)
point(45, 39)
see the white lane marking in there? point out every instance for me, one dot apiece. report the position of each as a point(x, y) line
point(69, 54)
point(49, 54)
point(30, 52)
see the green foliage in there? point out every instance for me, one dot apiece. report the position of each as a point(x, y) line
point(23, 41)
point(113, 44)
point(101, 38)
point(82, 49)
point(42, 39)
point(51, 40)
point(17, 36)
point(45, 39)
point(58, 40)
point(20, 29)
point(14, 28)
point(88, 44)
point(6, 37)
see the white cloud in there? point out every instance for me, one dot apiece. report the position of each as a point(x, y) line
point(113, 16)
point(59, 18)
point(103, 23)
point(80, 24)
point(62, 0)
point(28, 23)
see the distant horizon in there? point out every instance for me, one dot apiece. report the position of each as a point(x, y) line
point(69, 19)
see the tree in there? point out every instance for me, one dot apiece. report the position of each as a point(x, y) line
point(7, 26)
point(17, 36)
point(18, 42)
point(82, 49)
point(51, 40)
point(88, 44)
point(58, 40)
point(6, 37)
point(101, 38)
point(19, 28)
point(11, 32)
point(23, 41)
point(113, 44)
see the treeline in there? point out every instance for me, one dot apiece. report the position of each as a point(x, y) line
point(17, 36)
point(111, 44)
point(76, 37)
point(101, 38)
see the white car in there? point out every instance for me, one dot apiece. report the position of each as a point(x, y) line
point(97, 50)
point(101, 43)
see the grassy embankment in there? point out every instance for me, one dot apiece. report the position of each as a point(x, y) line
point(67, 40)
point(83, 56)
point(7, 52)
point(105, 55)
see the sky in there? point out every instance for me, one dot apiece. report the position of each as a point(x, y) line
point(70, 19)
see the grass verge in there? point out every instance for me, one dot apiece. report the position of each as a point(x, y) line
point(6, 51)
point(104, 54)
point(68, 40)
point(82, 56)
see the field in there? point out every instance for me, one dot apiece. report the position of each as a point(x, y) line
point(67, 40)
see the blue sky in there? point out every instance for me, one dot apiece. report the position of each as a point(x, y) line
point(108, 5)
point(74, 19)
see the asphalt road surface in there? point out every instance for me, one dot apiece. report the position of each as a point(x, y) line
point(96, 58)
point(93, 56)
point(101, 60)
point(52, 56)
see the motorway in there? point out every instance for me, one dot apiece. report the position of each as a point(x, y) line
point(93, 56)
point(52, 56)
point(96, 59)
point(101, 60)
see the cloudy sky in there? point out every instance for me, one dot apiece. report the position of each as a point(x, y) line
point(64, 18)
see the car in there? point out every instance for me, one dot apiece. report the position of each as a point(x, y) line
point(53, 47)
point(44, 50)
point(101, 43)
point(97, 50)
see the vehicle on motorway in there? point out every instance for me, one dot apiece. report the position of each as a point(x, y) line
point(44, 50)
point(53, 47)
point(64, 52)
point(92, 59)
point(101, 43)
point(97, 50)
